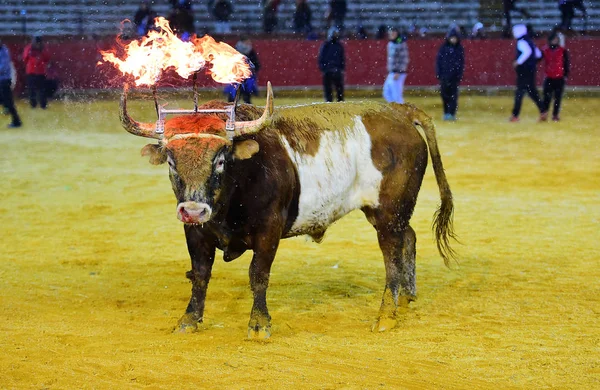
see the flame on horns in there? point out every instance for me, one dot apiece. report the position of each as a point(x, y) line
point(161, 49)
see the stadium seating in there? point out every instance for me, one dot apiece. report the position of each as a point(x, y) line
point(103, 17)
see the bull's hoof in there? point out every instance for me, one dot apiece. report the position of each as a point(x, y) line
point(384, 324)
point(188, 323)
point(260, 333)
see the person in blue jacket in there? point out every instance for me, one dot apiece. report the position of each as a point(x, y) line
point(449, 69)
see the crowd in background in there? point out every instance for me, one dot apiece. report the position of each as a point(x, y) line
point(181, 18)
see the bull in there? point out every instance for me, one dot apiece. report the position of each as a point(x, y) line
point(294, 171)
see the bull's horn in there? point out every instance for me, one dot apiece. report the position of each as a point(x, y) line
point(253, 127)
point(147, 130)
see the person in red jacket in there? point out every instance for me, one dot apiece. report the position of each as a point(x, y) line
point(36, 59)
point(556, 69)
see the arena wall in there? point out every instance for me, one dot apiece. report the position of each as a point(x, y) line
point(292, 63)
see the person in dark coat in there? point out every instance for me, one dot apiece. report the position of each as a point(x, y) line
point(302, 18)
point(567, 12)
point(249, 86)
point(270, 15)
point(332, 63)
point(182, 22)
point(337, 13)
point(449, 69)
point(508, 6)
point(222, 10)
point(144, 18)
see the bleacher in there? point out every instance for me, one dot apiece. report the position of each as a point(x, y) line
point(104, 17)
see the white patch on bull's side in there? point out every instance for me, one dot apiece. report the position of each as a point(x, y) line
point(340, 178)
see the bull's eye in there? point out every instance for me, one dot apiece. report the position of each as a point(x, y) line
point(220, 164)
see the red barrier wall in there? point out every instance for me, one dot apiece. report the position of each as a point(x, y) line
point(294, 63)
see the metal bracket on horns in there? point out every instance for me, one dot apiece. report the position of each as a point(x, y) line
point(229, 124)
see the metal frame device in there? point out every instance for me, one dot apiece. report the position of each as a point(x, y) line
point(162, 112)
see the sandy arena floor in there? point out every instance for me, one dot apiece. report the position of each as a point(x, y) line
point(93, 264)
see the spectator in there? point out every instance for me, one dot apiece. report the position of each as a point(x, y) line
point(182, 4)
point(181, 21)
point(249, 85)
point(222, 10)
point(478, 31)
point(510, 5)
point(525, 67)
point(6, 84)
point(144, 18)
point(567, 12)
point(361, 32)
point(337, 14)
point(332, 63)
point(449, 68)
point(556, 69)
point(397, 64)
point(302, 18)
point(382, 32)
point(13, 83)
point(36, 59)
point(270, 15)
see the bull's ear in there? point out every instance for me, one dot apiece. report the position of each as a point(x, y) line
point(156, 153)
point(243, 150)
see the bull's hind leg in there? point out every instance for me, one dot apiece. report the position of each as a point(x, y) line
point(259, 326)
point(398, 247)
point(397, 241)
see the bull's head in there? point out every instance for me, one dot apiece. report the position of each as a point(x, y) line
point(199, 151)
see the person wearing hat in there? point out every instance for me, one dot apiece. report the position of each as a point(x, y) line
point(449, 68)
point(36, 59)
point(525, 65)
point(556, 69)
point(6, 84)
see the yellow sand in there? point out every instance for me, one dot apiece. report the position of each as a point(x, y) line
point(93, 262)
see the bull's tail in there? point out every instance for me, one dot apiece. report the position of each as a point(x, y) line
point(443, 225)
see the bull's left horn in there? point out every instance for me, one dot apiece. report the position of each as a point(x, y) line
point(253, 127)
point(147, 130)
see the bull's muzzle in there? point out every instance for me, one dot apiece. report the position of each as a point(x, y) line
point(193, 212)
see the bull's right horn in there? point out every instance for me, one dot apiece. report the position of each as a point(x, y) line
point(253, 127)
point(147, 130)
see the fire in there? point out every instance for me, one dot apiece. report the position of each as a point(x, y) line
point(158, 51)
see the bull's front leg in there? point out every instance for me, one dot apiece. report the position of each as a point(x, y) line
point(202, 252)
point(259, 326)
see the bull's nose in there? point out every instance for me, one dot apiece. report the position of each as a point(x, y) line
point(193, 212)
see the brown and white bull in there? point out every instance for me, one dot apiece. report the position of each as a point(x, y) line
point(295, 171)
